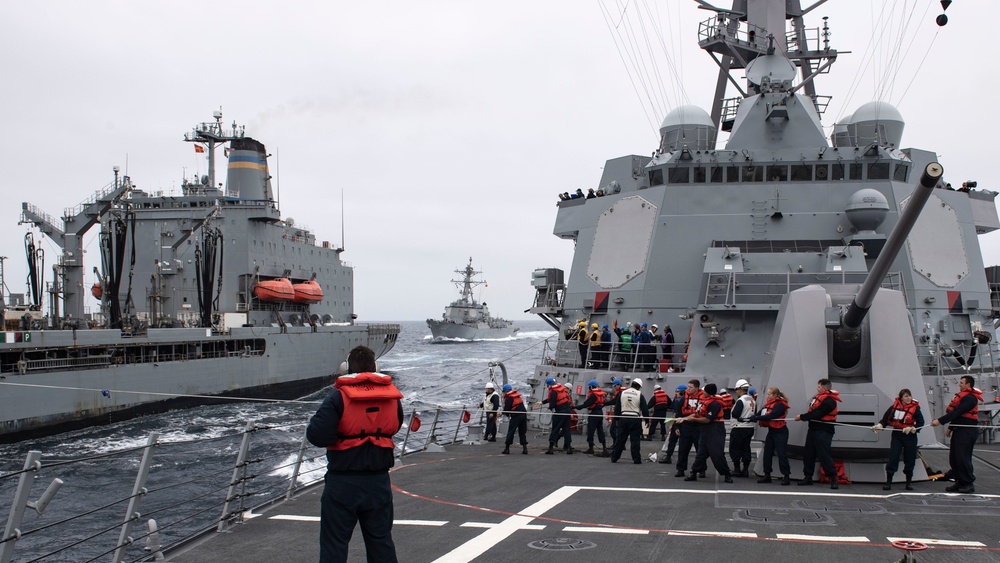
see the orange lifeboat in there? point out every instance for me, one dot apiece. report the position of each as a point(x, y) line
point(96, 290)
point(308, 292)
point(277, 290)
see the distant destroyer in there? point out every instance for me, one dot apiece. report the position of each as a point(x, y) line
point(467, 319)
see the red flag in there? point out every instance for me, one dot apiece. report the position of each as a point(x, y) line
point(414, 423)
point(466, 416)
point(199, 148)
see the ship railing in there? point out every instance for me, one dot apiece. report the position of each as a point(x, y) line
point(70, 212)
point(732, 289)
point(25, 366)
point(28, 208)
point(447, 426)
point(732, 30)
point(141, 510)
point(611, 357)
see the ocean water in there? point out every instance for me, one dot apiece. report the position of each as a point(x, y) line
point(192, 466)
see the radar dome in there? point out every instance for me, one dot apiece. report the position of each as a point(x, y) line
point(877, 122)
point(687, 126)
point(867, 209)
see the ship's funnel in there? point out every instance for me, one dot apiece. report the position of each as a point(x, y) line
point(247, 176)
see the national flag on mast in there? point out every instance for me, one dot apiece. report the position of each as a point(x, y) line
point(199, 148)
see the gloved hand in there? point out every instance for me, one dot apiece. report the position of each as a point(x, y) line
point(910, 430)
point(614, 323)
point(877, 427)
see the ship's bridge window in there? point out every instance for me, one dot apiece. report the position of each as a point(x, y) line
point(855, 171)
point(837, 171)
point(656, 177)
point(700, 175)
point(878, 171)
point(822, 172)
point(717, 174)
point(777, 173)
point(802, 173)
point(732, 174)
point(753, 173)
point(679, 175)
point(901, 173)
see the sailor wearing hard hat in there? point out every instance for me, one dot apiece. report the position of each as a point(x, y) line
point(630, 409)
point(742, 432)
point(491, 406)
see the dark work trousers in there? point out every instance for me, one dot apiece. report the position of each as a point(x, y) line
point(739, 446)
point(819, 444)
point(658, 420)
point(630, 430)
point(560, 427)
point(905, 444)
point(583, 353)
point(672, 438)
point(688, 439)
point(518, 423)
point(712, 444)
point(963, 438)
point(595, 425)
point(491, 426)
point(614, 430)
point(347, 500)
point(776, 442)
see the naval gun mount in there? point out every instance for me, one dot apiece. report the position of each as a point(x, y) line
point(867, 341)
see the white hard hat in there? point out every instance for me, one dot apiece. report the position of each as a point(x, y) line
point(637, 383)
point(740, 383)
point(489, 385)
point(657, 387)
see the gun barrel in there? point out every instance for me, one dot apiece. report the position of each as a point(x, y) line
point(863, 301)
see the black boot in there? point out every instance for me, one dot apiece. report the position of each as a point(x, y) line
point(909, 482)
point(549, 451)
point(692, 477)
point(765, 479)
point(524, 449)
point(590, 450)
point(786, 480)
point(888, 482)
point(569, 450)
point(506, 449)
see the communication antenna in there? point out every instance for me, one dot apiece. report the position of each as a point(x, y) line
point(277, 176)
point(342, 219)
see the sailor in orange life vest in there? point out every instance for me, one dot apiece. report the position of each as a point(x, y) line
point(560, 403)
point(630, 409)
point(355, 424)
point(659, 405)
point(712, 437)
point(687, 433)
point(905, 418)
point(772, 417)
point(513, 406)
point(963, 416)
point(819, 439)
point(595, 421)
point(616, 389)
point(491, 406)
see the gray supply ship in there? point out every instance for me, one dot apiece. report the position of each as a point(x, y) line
point(781, 256)
point(204, 295)
point(466, 318)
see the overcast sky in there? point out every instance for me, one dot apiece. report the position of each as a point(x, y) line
point(449, 126)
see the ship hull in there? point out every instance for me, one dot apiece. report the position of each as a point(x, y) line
point(444, 330)
point(280, 364)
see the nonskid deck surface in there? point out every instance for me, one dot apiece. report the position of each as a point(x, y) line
point(470, 503)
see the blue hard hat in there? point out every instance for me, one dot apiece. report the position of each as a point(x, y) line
point(752, 391)
point(643, 325)
point(507, 387)
point(682, 387)
point(605, 327)
point(550, 381)
point(592, 383)
point(617, 381)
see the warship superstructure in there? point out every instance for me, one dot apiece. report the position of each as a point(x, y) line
point(754, 251)
point(206, 294)
point(466, 318)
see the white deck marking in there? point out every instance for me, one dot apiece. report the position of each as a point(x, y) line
point(494, 524)
point(941, 542)
point(419, 522)
point(294, 518)
point(492, 536)
point(602, 530)
point(712, 534)
point(822, 538)
point(786, 493)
